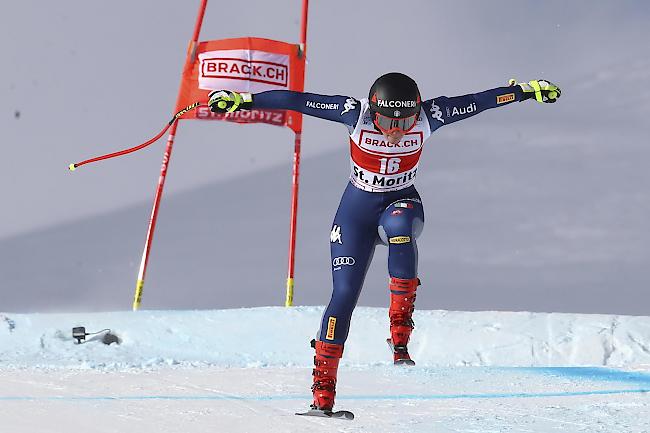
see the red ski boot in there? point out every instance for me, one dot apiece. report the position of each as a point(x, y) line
point(402, 299)
point(326, 363)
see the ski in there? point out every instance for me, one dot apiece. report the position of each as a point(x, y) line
point(339, 414)
point(400, 357)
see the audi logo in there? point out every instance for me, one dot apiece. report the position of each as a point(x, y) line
point(340, 261)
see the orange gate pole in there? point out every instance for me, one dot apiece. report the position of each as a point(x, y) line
point(139, 285)
point(296, 173)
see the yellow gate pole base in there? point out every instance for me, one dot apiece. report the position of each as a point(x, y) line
point(289, 301)
point(138, 295)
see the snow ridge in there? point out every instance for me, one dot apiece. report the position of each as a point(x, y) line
point(279, 337)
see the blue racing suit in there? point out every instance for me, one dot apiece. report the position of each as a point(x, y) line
point(380, 204)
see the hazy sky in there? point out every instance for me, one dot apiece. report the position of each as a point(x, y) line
point(86, 78)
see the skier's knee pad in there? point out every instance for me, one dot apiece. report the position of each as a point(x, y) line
point(400, 224)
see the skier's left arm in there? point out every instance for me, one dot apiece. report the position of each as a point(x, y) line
point(445, 110)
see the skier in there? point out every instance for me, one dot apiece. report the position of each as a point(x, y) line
point(380, 204)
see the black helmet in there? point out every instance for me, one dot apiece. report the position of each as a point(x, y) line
point(394, 97)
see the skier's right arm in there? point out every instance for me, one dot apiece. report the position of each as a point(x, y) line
point(337, 108)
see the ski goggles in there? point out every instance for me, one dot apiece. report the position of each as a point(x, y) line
point(394, 124)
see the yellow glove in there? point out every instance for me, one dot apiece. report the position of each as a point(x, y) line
point(541, 90)
point(223, 101)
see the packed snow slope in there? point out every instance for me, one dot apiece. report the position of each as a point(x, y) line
point(279, 337)
point(249, 370)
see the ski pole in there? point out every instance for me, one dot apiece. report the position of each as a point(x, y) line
point(73, 167)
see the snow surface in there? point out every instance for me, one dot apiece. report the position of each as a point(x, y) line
point(248, 370)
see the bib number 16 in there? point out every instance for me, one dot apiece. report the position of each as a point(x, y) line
point(389, 165)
